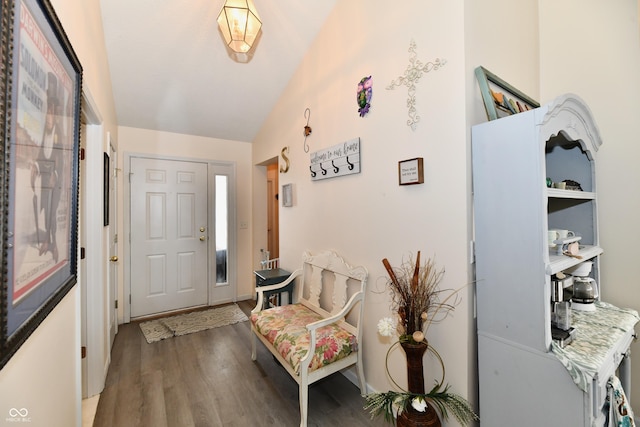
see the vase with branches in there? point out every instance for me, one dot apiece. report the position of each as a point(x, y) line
point(417, 303)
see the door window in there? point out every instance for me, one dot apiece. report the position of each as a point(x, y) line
point(221, 227)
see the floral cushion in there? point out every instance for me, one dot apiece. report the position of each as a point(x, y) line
point(285, 328)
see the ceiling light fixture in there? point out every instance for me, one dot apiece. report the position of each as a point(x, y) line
point(240, 24)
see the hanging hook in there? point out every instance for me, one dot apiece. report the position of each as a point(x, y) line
point(351, 165)
point(307, 129)
point(313, 173)
point(324, 171)
point(335, 168)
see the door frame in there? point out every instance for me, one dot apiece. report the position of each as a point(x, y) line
point(112, 235)
point(215, 296)
point(94, 330)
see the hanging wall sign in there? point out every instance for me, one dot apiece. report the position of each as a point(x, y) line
point(339, 160)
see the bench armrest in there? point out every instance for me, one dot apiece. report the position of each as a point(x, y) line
point(358, 296)
point(262, 289)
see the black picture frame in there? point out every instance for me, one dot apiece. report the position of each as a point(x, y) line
point(41, 86)
point(105, 183)
point(500, 98)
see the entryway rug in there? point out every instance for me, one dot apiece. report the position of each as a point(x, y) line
point(183, 324)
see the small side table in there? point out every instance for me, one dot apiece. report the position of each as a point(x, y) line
point(271, 277)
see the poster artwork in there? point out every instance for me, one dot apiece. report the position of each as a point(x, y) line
point(43, 158)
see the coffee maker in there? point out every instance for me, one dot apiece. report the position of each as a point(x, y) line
point(585, 289)
point(561, 330)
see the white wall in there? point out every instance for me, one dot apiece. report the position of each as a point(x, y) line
point(368, 217)
point(172, 145)
point(44, 375)
point(592, 48)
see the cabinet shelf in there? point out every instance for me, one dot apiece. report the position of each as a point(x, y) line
point(556, 193)
point(558, 263)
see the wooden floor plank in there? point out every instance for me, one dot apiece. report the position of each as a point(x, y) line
point(208, 379)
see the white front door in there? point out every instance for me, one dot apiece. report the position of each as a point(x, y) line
point(169, 234)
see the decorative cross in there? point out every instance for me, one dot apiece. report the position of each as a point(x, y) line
point(411, 76)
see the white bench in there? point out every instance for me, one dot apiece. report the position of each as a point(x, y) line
point(321, 333)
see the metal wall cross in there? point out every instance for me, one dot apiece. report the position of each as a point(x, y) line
point(411, 77)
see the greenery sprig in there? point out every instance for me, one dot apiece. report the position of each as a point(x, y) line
point(445, 401)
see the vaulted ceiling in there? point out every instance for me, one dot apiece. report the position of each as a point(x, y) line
point(171, 71)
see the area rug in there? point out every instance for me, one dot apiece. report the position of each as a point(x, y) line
point(183, 324)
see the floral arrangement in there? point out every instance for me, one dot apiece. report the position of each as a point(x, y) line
point(416, 299)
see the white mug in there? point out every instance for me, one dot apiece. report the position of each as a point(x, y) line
point(556, 234)
point(560, 185)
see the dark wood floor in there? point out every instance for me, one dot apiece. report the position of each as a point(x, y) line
point(208, 379)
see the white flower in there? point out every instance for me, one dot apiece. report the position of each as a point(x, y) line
point(419, 404)
point(386, 326)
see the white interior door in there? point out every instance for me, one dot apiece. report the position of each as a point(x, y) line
point(169, 234)
point(91, 268)
point(113, 240)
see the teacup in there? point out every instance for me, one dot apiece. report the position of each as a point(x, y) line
point(560, 185)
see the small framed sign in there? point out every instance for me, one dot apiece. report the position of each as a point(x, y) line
point(287, 195)
point(411, 171)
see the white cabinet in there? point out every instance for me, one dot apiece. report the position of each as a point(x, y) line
point(522, 380)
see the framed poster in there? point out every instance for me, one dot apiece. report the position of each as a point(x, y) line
point(38, 169)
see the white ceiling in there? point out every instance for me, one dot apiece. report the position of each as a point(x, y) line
point(171, 71)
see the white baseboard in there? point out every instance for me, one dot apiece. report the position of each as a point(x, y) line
point(245, 297)
point(350, 374)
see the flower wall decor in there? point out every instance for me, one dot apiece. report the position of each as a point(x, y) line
point(417, 303)
point(365, 92)
point(411, 77)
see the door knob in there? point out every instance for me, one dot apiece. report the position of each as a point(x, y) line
point(114, 258)
point(202, 238)
point(202, 229)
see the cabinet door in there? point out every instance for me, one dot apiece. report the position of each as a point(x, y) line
point(510, 214)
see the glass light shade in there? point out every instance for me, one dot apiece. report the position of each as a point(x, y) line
point(239, 23)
